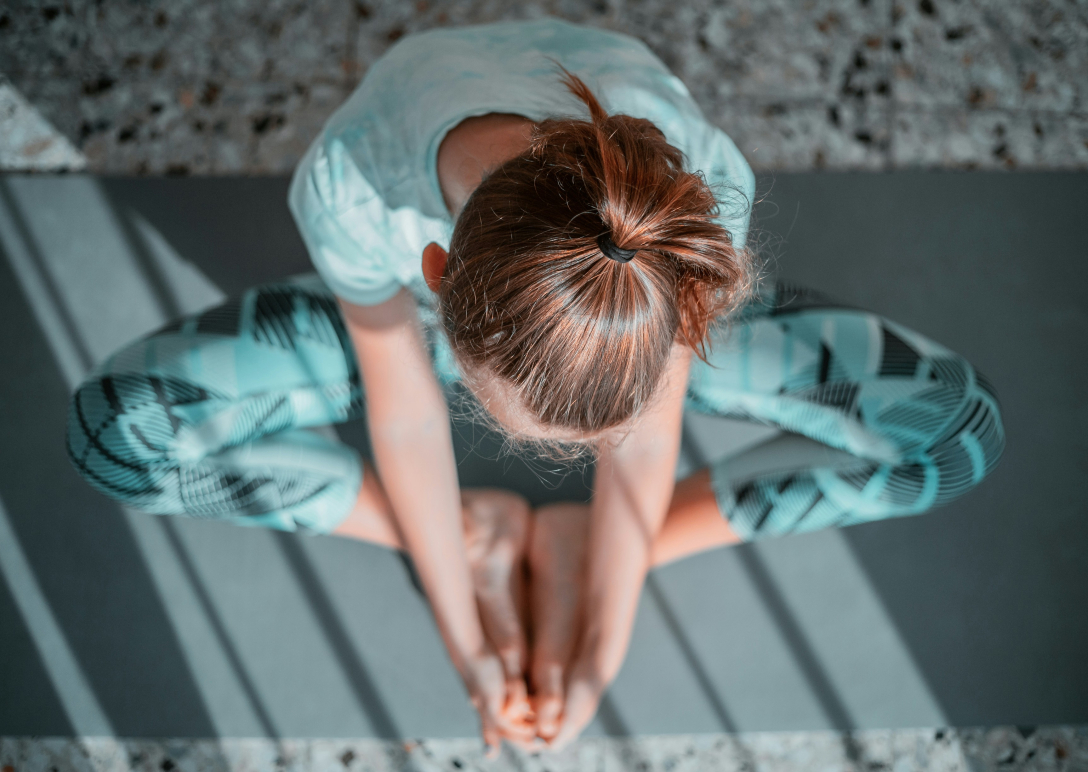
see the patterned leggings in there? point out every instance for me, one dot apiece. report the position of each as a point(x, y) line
point(207, 417)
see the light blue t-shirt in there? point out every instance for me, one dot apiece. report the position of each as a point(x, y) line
point(366, 196)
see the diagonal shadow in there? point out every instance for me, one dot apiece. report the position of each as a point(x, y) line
point(350, 662)
point(153, 274)
point(760, 578)
point(358, 675)
point(123, 591)
point(221, 240)
point(30, 243)
point(362, 683)
point(347, 656)
point(615, 727)
point(818, 681)
point(170, 308)
point(695, 665)
point(46, 691)
point(1012, 550)
point(220, 630)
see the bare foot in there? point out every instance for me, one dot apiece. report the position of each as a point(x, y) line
point(557, 554)
point(497, 525)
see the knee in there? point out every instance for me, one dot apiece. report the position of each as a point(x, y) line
point(114, 440)
point(972, 446)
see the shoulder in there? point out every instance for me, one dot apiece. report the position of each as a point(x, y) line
point(328, 176)
point(714, 153)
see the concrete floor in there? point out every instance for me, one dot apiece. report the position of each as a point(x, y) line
point(196, 87)
point(117, 623)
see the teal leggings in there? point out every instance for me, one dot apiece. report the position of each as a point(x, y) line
point(208, 416)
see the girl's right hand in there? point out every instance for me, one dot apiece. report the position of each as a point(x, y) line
point(485, 679)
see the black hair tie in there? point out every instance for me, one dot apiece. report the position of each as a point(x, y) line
point(608, 246)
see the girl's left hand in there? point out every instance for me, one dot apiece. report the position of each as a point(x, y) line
point(583, 693)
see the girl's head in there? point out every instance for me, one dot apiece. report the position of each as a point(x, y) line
point(566, 338)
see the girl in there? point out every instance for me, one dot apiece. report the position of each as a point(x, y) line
point(476, 218)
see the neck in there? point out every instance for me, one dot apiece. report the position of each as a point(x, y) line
point(475, 147)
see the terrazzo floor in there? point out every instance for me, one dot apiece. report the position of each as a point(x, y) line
point(1046, 749)
point(242, 87)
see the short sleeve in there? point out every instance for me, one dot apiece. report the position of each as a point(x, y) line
point(729, 177)
point(341, 219)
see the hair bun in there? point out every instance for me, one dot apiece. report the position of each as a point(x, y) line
point(528, 299)
point(613, 252)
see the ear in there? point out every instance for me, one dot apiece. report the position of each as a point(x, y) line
point(434, 265)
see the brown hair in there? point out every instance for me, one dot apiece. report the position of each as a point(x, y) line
point(529, 296)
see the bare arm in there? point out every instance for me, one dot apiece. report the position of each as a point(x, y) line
point(413, 452)
point(632, 490)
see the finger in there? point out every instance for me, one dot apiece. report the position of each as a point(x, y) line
point(568, 732)
point(495, 731)
point(581, 705)
point(492, 747)
point(513, 729)
point(490, 733)
point(516, 730)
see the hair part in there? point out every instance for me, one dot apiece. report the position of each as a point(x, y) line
point(529, 297)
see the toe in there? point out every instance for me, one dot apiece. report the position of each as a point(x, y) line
point(548, 710)
point(548, 697)
point(518, 708)
point(498, 513)
point(557, 559)
point(502, 625)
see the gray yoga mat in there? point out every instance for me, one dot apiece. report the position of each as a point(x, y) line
point(117, 622)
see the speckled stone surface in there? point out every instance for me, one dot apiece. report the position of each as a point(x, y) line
point(242, 86)
point(1004, 749)
point(29, 142)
